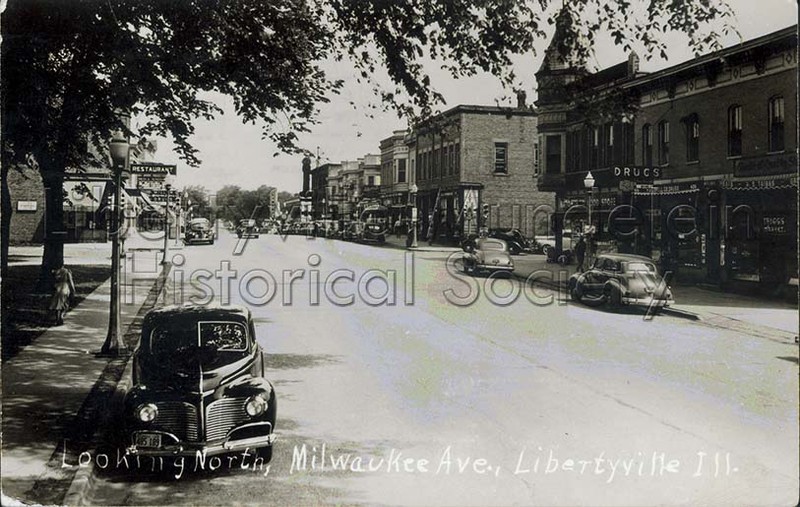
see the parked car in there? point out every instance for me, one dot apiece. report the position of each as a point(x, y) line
point(199, 385)
point(486, 254)
point(620, 279)
point(199, 230)
point(247, 228)
point(517, 242)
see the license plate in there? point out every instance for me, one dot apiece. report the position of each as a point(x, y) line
point(148, 440)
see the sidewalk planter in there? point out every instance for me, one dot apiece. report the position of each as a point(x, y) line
point(198, 385)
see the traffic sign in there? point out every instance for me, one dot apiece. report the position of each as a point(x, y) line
point(153, 168)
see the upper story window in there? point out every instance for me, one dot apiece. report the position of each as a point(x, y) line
point(401, 170)
point(501, 157)
point(776, 130)
point(663, 142)
point(552, 162)
point(692, 138)
point(608, 135)
point(735, 131)
point(458, 159)
point(647, 145)
point(595, 147)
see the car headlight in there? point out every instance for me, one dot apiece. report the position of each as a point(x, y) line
point(147, 412)
point(255, 406)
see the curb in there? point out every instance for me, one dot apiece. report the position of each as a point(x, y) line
point(85, 477)
point(674, 312)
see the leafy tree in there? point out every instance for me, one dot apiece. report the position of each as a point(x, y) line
point(73, 69)
point(198, 196)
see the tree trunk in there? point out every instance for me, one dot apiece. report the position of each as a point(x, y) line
point(54, 232)
point(5, 237)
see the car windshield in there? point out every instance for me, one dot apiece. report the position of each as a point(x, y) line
point(640, 267)
point(200, 225)
point(218, 336)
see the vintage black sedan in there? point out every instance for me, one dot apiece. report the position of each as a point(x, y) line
point(621, 279)
point(486, 254)
point(199, 386)
point(199, 230)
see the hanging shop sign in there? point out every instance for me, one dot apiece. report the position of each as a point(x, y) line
point(153, 169)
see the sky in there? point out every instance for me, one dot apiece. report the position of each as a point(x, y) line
point(234, 153)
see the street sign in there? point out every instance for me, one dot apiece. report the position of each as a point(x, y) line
point(153, 168)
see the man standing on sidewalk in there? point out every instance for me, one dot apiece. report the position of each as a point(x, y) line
point(580, 253)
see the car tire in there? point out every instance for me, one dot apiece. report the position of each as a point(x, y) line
point(469, 269)
point(614, 297)
point(264, 453)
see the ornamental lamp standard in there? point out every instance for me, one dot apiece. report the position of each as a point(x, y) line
point(118, 149)
point(588, 182)
point(168, 189)
point(413, 193)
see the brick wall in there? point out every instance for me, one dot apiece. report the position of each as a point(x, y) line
point(711, 106)
point(27, 227)
point(512, 196)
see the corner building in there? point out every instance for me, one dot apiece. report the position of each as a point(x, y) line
point(475, 167)
point(694, 165)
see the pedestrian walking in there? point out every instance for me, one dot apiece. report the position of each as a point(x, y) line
point(580, 253)
point(64, 290)
point(397, 226)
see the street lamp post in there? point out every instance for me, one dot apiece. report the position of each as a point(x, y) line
point(413, 190)
point(118, 149)
point(588, 182)
point(167, 187)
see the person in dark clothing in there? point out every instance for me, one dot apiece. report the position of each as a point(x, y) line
point(580, 253)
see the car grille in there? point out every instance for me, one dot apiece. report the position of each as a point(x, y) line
point(223, 415)
point(178, 418)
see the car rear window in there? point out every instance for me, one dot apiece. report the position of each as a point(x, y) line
point(492, 245)
point(640, 267)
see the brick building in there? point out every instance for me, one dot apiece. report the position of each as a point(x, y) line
point(694, 165)
point(396, 176)
point(472, 157)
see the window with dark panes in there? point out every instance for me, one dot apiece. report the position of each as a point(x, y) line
point(663, 142)
point(647, 145)
point(501, 157)
point(692, 139)
point(553, 154)
point(401, 170)
point(595, 147)
point(608, 136)
point(458, 159)
point(776, 131)
point(735, 131)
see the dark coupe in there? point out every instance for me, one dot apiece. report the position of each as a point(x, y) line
point(620, 279)
point(199, 385)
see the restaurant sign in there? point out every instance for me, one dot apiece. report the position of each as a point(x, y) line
point(153, 169)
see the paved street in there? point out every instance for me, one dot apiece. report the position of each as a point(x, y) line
point(428, 402)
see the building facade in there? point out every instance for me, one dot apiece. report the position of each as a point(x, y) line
point(694, 165)
point(475, 167)
point(396, 176)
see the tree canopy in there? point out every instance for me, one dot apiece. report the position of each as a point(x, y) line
point(72, 70)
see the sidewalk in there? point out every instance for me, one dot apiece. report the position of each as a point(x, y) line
point(55, 390)
point(721, 309)
point(422, 245)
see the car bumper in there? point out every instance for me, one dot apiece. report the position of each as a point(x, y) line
point(495, 267)
point(179, 448)
point(646, 301)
